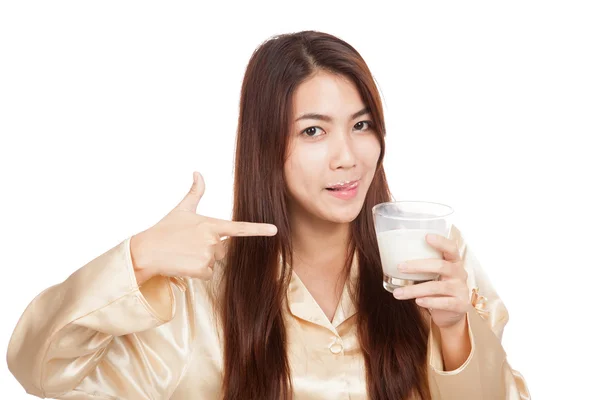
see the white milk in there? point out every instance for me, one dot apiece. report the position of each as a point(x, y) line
point(400, 245)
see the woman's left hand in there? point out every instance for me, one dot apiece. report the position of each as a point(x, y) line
point(446, 298)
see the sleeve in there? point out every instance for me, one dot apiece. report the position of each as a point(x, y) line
point(486, 374)
point(99, 335)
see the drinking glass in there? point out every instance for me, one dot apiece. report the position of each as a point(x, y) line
point(401, 227)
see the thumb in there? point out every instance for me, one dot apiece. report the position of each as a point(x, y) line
point(192, 198)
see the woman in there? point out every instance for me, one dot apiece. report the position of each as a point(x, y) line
point(292, 304)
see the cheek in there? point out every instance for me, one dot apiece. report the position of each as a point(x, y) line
point(301, 173)
point(304, 166)
point(369, 150)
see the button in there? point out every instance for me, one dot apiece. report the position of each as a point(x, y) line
point(336, 348)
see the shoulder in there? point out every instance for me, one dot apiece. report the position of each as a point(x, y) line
point(484, 297)
point(457, 236)
point(470, 262)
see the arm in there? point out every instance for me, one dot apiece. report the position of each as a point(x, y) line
point(455, 344)
point(98, 333)
point(486, 373)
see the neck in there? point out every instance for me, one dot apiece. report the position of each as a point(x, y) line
point(320, 247)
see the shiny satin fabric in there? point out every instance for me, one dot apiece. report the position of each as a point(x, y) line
point(97, 335)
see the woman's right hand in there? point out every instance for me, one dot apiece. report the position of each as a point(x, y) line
point(185, 243)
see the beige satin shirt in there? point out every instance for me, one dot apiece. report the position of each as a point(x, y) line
point(97, 335)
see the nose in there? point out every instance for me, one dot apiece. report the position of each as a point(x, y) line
point(342, 152)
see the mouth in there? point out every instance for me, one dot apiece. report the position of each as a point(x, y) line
point(341, 187)
point(344, 190)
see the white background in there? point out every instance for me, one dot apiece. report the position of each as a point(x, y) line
point(107, 107)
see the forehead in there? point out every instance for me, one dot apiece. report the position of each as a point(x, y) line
point(327, 93)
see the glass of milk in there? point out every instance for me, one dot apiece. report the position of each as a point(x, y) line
point(401, 227)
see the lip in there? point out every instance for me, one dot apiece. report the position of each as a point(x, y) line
point(347, 193)
point(350, 184)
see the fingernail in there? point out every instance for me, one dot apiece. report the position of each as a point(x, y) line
point(398, 293)
point(403, 266)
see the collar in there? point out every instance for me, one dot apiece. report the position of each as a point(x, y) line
point(303, 305)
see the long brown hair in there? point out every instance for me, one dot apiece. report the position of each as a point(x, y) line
point(392, 334)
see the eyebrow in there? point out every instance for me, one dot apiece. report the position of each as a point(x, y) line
point(327, 118)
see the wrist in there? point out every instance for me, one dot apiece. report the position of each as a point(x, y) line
point(457, 329)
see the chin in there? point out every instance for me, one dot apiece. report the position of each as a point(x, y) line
point(343, 217)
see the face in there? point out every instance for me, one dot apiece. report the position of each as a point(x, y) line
point(333, 150)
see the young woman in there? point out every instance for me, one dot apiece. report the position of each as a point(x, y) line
point(291, 304)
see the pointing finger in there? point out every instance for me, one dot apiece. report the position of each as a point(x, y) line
point(237, 228)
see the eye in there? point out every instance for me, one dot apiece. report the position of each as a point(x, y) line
point(363, 125)
point(312, 131)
